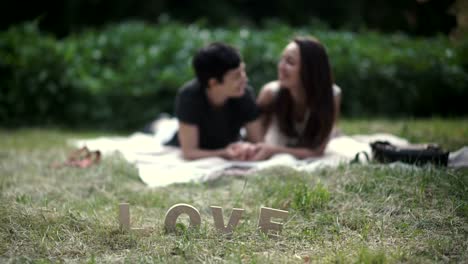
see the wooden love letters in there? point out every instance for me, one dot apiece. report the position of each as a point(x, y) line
point(265, 219)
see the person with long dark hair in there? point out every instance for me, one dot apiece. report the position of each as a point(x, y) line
point(300, 109)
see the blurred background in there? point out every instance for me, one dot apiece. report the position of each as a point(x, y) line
point(118, 64)
point(417, 17)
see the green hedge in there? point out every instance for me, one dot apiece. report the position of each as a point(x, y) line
point(124, 75)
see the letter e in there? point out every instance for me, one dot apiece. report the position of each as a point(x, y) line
point(266, 214)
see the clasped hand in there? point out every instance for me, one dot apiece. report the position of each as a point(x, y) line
point(245, 151)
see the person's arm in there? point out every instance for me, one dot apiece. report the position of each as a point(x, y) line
point(337, 108)
point(188, 139)
point(254, 131)
point(264, 99)
point(265, 151)
point(188, 110)
point(337, 105)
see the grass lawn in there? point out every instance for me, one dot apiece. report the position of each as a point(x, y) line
point(354, 213)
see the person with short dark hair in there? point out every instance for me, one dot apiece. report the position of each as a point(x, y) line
point(212, 109)
point(300, 109)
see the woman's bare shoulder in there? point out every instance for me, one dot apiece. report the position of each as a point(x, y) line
point(267, 93)
point(336, 90)
point(271, 86)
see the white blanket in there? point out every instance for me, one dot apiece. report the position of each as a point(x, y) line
point(160, 165)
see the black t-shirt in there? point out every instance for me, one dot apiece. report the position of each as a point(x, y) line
point(217, 126)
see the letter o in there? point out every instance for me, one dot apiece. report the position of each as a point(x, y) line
point(176, 210)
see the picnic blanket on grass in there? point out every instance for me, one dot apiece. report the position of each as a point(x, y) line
point(160, 165)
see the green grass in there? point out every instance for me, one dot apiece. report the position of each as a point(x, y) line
point(351, 214)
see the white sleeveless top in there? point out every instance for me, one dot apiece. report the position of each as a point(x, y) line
point(274, 136)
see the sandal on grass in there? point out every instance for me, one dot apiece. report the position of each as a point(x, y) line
point(80, 158)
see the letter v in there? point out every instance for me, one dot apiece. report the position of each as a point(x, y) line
point(219, 220)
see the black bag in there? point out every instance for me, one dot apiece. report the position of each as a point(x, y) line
point(385, 152)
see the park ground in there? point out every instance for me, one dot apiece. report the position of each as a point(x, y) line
point(356, 213)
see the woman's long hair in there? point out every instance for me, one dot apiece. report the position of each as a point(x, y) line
point(317, 81)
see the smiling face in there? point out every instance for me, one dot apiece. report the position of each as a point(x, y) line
point(234, 82)
point(289, 67)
